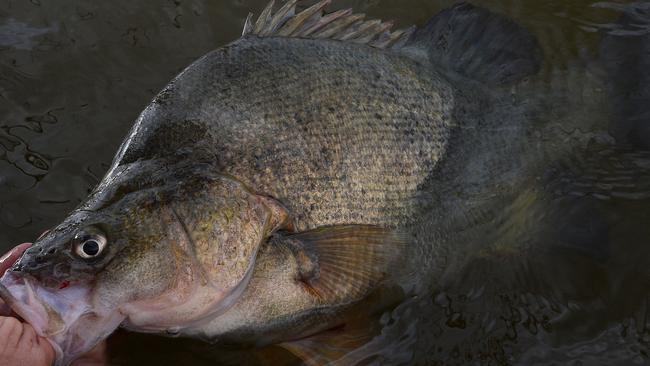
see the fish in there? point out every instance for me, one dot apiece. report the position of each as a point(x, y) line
point(281, 180)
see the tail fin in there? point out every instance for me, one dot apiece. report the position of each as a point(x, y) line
point(625, 56)
point(478, 44)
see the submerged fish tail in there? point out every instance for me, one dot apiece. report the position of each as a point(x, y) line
point(625, 58)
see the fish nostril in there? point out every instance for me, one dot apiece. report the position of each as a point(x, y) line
point(40, 259)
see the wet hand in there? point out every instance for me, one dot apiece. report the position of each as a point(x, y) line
point(19, 343)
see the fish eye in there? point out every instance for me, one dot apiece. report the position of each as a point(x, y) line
point(89, 246)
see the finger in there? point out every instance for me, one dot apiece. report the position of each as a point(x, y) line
point(20, 345)
point(8, 259)
point(30, 341)
point(44, 345)
point(38, 347)
point(10, 331)
point(28, 338)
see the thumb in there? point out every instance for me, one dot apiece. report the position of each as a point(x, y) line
point(8, 259)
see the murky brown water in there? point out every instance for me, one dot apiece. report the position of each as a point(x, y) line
point(75, 74)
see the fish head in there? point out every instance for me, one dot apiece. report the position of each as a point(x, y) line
point(154, 252)
point(51, 285)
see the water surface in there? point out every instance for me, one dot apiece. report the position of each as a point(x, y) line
point(74, 75)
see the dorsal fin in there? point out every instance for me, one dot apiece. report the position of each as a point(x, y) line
point(313, 22)
point(478, 44)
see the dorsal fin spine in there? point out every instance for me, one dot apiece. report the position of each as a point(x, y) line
point(388, 40)
point(357, 30)
point(248, 25)
point(342, 25)
point(381, 28)
point(302, 19)
point(338, 26)
point(322, 22)
point(264, 18)
point(287, 11)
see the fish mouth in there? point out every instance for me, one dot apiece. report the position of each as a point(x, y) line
point(65, 317)
point(25, 303)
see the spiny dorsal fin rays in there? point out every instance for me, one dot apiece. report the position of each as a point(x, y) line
point(370, 34)
point(338, 26)
point(403, 37)
point(395, 39)
point(358, 30)
point(287, 11)
point(321, 22)
point(342, 25)
point(302, 19)
point(263, 20)
point(248, 26)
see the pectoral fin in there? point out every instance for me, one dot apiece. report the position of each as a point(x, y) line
point(343, 264)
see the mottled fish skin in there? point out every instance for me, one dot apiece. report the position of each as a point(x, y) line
point(339, 133)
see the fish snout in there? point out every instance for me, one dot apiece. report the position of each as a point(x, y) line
point(33, 257)
point(46, 265)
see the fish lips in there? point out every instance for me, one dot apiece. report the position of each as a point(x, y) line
point(65, 317)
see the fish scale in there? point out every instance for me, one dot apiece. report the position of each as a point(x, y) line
point(318, 150)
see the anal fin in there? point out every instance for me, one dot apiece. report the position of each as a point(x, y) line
point(333, 347)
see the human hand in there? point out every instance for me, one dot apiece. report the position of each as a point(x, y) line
point(19, 343)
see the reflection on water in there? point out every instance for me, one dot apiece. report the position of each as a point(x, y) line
point(75, 74)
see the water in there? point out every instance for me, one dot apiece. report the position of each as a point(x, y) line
point(75, 74)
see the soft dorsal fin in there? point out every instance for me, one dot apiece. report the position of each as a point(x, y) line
point(342, 25)
point(478, 44)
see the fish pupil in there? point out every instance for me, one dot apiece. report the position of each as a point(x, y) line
point(91, 247)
